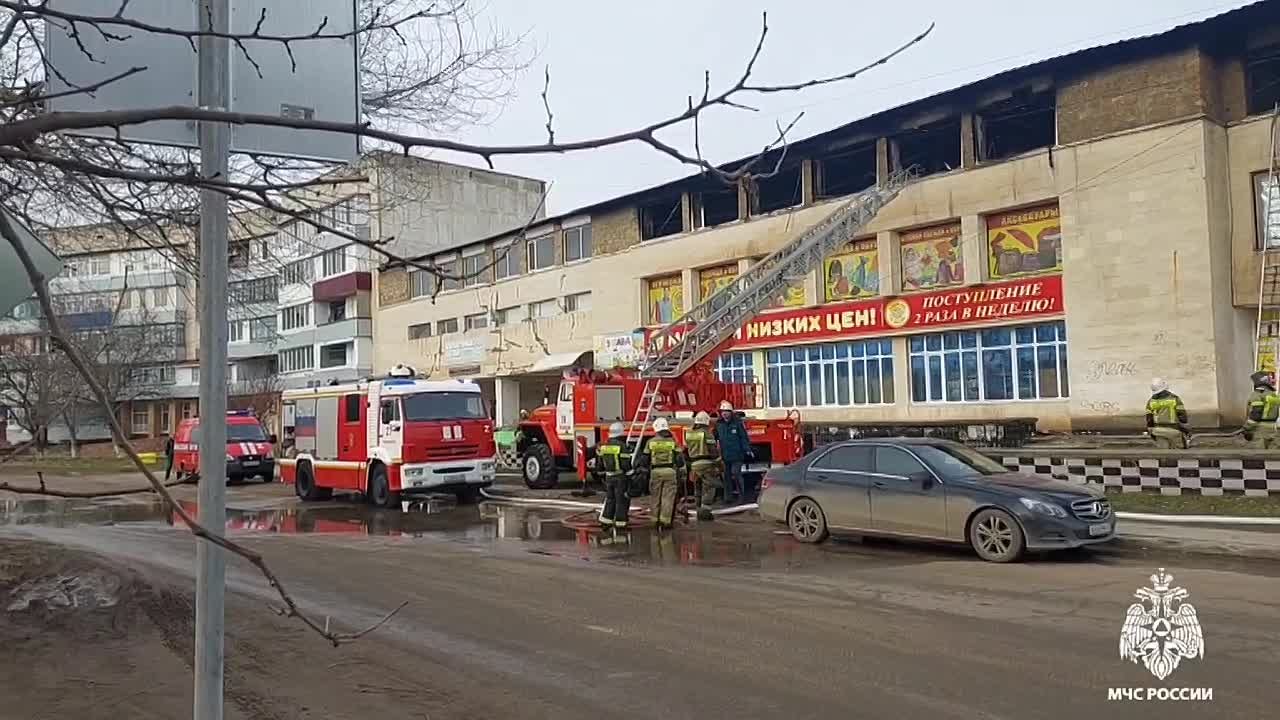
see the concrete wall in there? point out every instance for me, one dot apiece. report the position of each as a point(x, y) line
point(421, 205)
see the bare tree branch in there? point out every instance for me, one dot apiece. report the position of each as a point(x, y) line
point(60, 338)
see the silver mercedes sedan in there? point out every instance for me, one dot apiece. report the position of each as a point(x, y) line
point(932, 490)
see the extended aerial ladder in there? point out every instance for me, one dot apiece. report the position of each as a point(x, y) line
point(1267, 338)
point(678, 347)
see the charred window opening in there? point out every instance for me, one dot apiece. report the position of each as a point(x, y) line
point(1023, 123)
point(846, 172)
point(1262, 76)
point(778, 191)
point(932, 148)
point(660, 218)
point(715, 207)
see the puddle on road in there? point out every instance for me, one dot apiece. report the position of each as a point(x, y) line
point(737, 543)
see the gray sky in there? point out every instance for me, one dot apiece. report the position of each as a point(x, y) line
point(617, 65)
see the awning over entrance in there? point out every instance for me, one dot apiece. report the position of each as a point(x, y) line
point(555, 361)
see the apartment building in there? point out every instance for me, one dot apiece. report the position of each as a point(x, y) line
point(129, 304)
point(1082, 225)
point(323, 314)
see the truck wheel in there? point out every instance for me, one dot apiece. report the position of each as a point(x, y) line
point(539, 467)
point(380, 489)
point(305, 486)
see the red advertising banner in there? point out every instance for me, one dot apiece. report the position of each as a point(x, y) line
point(1012, 301)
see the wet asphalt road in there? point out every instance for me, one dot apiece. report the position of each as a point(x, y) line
point(511, 615)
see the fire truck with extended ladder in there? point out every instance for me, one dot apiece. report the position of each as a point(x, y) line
point(388, 437)
point(677, 375)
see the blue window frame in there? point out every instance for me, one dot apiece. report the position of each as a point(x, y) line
point(1025, 362)
point(831, 375)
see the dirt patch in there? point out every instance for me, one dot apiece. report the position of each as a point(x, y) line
point(70, 620)
point(86, 636)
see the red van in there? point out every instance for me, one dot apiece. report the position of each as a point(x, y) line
point(250, 450)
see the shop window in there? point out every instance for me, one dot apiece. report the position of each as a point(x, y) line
point(544, 309)
point(831, 375)
point(778, 191)
point(444, 327)
point(715, 207)
point(931, 149)
point(420, 331)
point(1027, 362)
point(1025, 122)
point(577, 302)
point(1262, 78)
point(735, 367)
point(846, 172)
point(511, 315)
point(661, 217)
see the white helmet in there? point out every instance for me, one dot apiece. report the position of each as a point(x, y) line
point(725, 405)
point(661, 424)
point(1158, 385)
point(702, 418)
point(617, 430)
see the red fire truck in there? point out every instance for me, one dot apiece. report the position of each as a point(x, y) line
point(554, 437)
point(387, 437)
point(676, 376)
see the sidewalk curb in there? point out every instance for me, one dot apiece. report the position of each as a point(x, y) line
point(1199, 519)
point(1125, 543)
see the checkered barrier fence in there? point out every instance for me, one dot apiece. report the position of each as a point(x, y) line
point(1168, 476)
point(507, 458)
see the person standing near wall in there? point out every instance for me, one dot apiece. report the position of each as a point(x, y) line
point(663, 458)
point(735, 449)
point(704, 461)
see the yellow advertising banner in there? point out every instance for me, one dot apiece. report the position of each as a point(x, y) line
point(854, 272)
point(791, 296)
point(1025, 242)
point(713, 278)
point(931, 257)
point(666, 299)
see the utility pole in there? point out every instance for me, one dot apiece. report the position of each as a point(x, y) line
point(211, 561)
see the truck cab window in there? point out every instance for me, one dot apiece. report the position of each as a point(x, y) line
point(351, 405)
point(390, 411)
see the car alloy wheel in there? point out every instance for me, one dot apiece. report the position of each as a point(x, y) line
point(996, 536)
point(807, 522)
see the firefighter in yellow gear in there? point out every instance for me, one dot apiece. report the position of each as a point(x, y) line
point(664, 460)
point(1166, 417)
point(614, 458)
point(1263, 410)
point(705, 468)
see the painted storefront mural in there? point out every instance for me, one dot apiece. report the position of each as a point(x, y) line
point(854, 272)
point(791, 296)
point(666, 299)
point(931, 257)
point(713, 278)
point(1025, 242)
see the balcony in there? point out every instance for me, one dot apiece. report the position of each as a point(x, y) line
point(341, 286)
point(251, 349)
point(104, 283)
